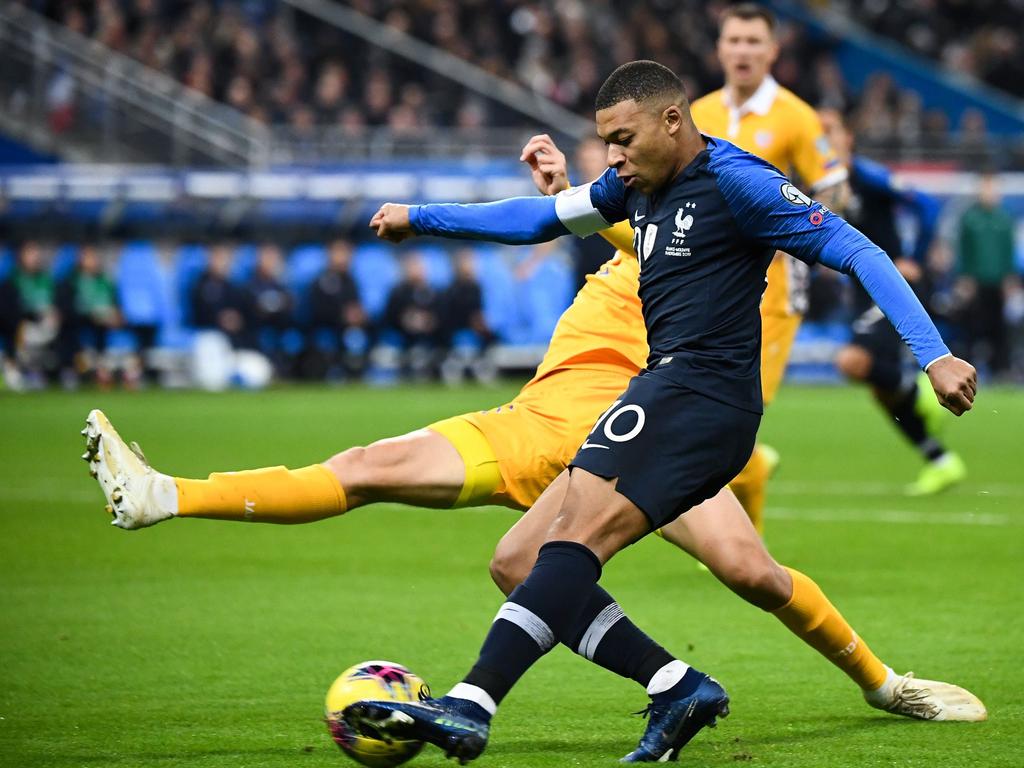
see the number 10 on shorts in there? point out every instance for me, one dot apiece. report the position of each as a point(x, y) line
point(610, 417)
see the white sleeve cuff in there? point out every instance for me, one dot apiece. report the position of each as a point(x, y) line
point(577, 212)
point(933, 362)
point(830, 180)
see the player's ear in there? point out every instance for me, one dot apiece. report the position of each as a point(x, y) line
point(672, 117)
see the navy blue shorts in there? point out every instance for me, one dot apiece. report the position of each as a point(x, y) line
point(670, 447)
point(874, 333)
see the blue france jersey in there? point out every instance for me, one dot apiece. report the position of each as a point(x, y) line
point(704, 245)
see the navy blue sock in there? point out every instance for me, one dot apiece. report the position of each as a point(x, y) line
point(540, 612)
point(606, 636)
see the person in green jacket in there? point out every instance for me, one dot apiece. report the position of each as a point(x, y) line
point(38, 320)
point(87, 300)
point(986, 268)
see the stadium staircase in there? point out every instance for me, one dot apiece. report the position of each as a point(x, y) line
point(66, 95)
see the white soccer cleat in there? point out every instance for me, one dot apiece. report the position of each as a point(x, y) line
point(137, 495)
point(926, 699)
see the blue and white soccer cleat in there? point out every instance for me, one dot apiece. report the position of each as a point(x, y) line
point(458, 726)
point(671, 724)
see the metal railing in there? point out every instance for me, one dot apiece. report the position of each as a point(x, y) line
point(290, 145)
point(69, 95)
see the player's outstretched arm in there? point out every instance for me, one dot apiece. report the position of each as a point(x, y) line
point(515, 221)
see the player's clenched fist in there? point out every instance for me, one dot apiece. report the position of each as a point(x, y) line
point(955, 383)
point(391, 223)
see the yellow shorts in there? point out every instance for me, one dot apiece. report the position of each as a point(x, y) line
point(777, 335)
point(530, 440)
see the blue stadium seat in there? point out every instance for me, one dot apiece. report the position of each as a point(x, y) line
point(64, 260)
point(438, 263)
point(497, 286)
point(304, 265)
point(544, 296)
point(7, 261)
point(375, 270)
point(141, 284)
point(189, 263)
point(244, 263)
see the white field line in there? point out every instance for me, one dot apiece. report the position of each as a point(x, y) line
point(794, 488)
point(898, 516)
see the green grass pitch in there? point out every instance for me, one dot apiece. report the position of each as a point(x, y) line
point(202, 643)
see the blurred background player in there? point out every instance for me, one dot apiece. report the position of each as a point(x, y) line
point(875, 354)
point(757, 114)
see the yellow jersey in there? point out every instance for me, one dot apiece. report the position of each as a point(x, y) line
point(778, 126)
point(603, 328)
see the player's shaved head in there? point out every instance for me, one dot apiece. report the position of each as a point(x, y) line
point(644, 119)
point(641, 81)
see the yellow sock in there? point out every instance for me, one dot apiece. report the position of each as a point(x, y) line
point(271, 495)
point(749, 486)
point(811, 617)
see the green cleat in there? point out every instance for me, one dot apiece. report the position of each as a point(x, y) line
point(771, 458)
point(935, 417)
point(938, 475)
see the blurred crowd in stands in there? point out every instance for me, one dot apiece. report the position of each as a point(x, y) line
point(981, 38)
point(343, 312)
point(284, 67)
point(65, 316)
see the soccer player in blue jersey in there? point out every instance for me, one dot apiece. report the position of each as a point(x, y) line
point(708, 217)
point(874, 355)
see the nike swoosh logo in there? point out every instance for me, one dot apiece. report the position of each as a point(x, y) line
point(593, 445)
point(637, 216)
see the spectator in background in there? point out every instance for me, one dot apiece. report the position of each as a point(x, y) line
point(217, 303)
point(338, 313)
point(466, 333)
point(10, 318)
point(270, 306)
point(414, 312)
point(38, 318)
point(463, 301)
point(87, 302)
point(986, 268)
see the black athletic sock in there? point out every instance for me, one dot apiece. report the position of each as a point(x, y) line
point(606, 636)
point(540, 612)
point(901, 407)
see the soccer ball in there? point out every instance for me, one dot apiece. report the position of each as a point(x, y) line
point(373, 681)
